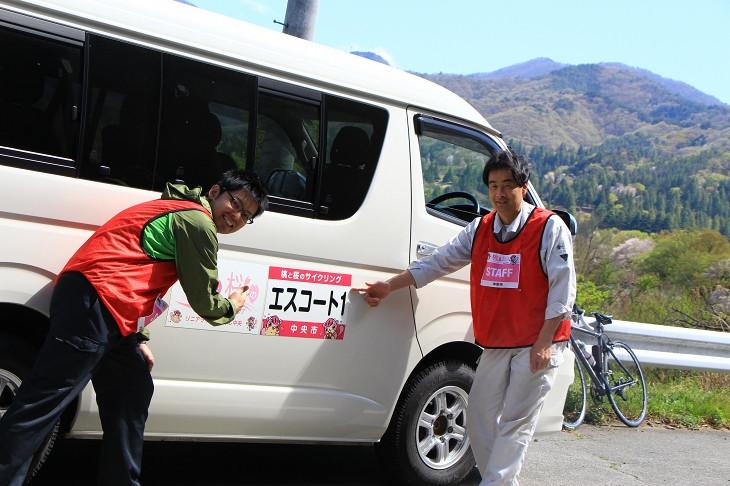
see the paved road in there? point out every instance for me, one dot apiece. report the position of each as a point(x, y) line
point(619, 455)
point(596, 456)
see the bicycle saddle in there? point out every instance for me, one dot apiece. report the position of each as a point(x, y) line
point(603, 318)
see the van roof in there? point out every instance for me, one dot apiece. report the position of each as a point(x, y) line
point(195, 32)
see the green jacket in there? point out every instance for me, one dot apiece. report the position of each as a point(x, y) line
point(189, 237)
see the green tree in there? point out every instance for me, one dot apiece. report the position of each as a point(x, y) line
point(449, 176)
point(683, 256)
point(591, 297)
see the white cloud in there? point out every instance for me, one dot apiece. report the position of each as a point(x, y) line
point(380, 51)
point(255, 6)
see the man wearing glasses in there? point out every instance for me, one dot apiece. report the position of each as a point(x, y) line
point(105, 296)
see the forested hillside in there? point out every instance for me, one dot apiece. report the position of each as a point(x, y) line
point(644, 169)
point(611, 145)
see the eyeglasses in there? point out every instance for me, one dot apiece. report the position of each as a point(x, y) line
point(237, 205)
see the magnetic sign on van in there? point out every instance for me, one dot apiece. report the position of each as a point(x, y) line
point(297, 302)
point(306, 303)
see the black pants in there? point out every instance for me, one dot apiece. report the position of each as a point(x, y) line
point(84, 343)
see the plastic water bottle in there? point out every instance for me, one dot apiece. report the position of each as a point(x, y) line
point(596, 352)
point(586, 352)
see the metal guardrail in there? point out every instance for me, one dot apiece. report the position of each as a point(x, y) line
point(674, 347)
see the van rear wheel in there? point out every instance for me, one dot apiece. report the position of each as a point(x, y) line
point(16, 360)
point(426, 442)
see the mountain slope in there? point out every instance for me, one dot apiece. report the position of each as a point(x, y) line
point(588, 104)
point(542, 65)
point(529, 69)
point(673, 86)
point(609, 143)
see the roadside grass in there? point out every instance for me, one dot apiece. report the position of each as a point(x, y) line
point(689, 398)
point(679, 398)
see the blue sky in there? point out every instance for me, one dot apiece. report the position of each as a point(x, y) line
point(685, 41)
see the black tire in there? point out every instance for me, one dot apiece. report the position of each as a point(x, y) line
point(426, 442)
point(626, 381)
point(16, 360)
point(576, 401)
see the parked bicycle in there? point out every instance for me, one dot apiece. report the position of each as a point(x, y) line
point(614, 373)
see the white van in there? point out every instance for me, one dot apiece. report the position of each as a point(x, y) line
point(102, 102)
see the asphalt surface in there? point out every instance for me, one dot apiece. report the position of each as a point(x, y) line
point(608, 455)
point(619, 455)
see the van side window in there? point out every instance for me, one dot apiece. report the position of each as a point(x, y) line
point(122, 115)
point(39, 96)
point(452, 160)
point(288, 156)
point(355, 134)
point(287, 146)
point(150, 117)
point(201, 132)
point(202, 104)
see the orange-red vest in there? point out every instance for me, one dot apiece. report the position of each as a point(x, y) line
point(507, 317)
point(127, 280)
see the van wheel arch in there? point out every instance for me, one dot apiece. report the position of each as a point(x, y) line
point(24, 322)
point(460, 350)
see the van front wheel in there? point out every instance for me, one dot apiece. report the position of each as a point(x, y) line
point(426, 442)
point(16, 361)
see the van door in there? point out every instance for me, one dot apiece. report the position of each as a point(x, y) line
point(447, 162)
point(308, 359)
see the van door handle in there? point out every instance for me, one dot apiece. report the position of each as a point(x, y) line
point(424, 248)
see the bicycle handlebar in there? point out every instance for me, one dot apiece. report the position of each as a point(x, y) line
point(601, 318)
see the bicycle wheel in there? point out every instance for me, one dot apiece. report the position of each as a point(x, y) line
point(626, 383)
point(574, 411)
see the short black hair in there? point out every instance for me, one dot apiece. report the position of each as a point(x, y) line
point(508, 159)
point(234, 180)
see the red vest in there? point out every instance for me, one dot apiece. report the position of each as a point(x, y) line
point(125, 277)
point(509, 287)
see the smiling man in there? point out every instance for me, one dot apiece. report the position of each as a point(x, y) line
point(522, 290)
point(110, 289)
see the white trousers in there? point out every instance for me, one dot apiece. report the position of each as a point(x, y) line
point(504, 405)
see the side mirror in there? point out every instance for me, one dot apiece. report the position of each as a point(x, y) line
point(568, 219)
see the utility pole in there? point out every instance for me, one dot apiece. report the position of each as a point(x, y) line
point(301, 18)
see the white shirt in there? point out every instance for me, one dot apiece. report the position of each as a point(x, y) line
point(556, 258)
